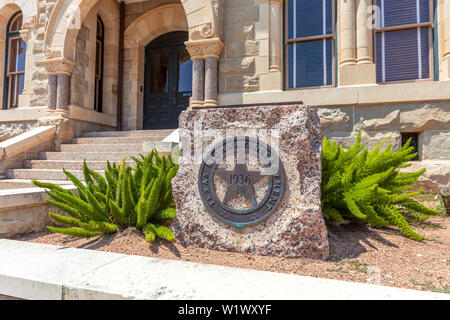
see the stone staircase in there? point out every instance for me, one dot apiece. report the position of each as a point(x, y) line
point(96, 147)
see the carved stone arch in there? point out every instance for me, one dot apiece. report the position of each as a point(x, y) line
point(29, 8)
point(137, 36)
point(154, 23)
point(203, 20)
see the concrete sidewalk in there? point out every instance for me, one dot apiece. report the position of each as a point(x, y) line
point(38, 271)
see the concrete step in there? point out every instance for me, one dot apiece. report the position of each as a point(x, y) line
point(68, 165)
point(43, 174)
point(37, 271)
point(102, 148)
point(137, 133)
point(116, 140)
point(90, 156)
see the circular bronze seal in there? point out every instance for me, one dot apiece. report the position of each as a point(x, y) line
point(239, 183)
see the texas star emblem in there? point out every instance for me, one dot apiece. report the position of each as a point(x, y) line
point(240, 183)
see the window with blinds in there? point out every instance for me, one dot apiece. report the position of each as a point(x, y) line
point(309, 43)
point(403, 37)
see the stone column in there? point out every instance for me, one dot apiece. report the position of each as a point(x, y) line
point(52, 88)
point(63, 91)
point(275, 35)
point(444, 27)
point(205, 54)
point(59, 74)
point(198, 81)
point(347, 34)
point(210, 82)
point(363, 32)
point(211, 52)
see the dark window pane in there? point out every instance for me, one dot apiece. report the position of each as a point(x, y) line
point(17, 53)
point(312, 65)
point(309, 18)
point(16, 24)
point(160, 72)
point(402, 12)
point(21, 56)
point(414, 143)
point(401, 55)
point(21, 83)
point(13, 49)
point(329, 61)
point(184, 72)
point(98, 60)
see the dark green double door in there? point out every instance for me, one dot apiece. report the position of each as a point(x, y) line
point(168, 81)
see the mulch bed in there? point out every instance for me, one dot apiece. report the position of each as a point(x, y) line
point(357, 253)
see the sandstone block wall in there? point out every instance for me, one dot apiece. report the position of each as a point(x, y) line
point(430, 120)
point(245, 49)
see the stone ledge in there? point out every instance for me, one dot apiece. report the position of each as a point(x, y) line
point(26, 141)
point(38, 271)
point(92, 116)
point(11, 198)
point(348, 95)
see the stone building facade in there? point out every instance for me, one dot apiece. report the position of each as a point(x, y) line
point(241, 52)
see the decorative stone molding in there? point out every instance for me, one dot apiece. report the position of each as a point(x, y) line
point(58, 66)
point(205, 54)
point(25, 34)
point(213, 28)
point(202, 49)
point(50, 53)
point(30, 23)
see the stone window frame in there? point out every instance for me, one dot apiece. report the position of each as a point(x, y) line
point(287, 41)
point(8, 75)
point(430, 25)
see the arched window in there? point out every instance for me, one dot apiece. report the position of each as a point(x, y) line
point(309, 43)
point(99, 61)
point(14, 62)
point(403, 40)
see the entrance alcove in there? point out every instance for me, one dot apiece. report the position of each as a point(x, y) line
point(167, 24)
point(168, 80)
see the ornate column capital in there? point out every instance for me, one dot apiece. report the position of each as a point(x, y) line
point(58, 66)
point(202, 49)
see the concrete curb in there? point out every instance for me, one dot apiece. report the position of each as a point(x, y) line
point(38, 271)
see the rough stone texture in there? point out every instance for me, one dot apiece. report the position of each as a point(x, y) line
point(427, 117)
point(437, 176)
point(16, 221)
point(436, 145)
point(370, 139)
point(334, 119)
point(242, 83)
point(11, 129)
point(297, 228)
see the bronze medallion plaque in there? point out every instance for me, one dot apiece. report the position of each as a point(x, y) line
point(240, 182)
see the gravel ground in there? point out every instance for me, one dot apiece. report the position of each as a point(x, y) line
point(357, 253)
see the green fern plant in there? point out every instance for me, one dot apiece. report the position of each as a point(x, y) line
point(124, 197)
point(366, 186)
